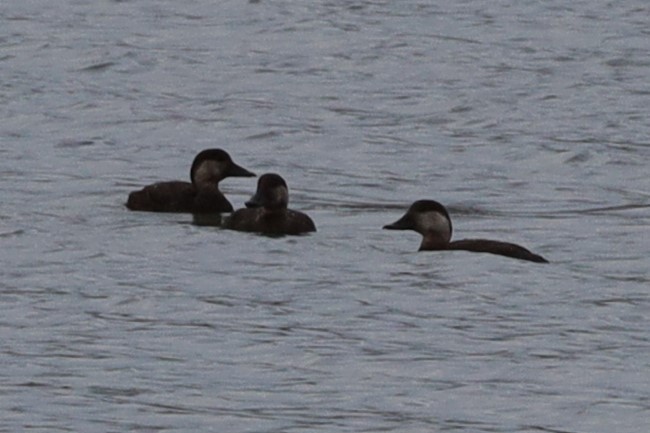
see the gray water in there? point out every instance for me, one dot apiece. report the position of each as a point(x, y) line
point(529, 120)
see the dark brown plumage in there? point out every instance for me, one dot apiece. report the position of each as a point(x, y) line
point(202, 195)
point(267, 211)
point(432, 221)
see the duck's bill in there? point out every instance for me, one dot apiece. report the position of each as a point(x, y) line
point(254, 201)
point(239, 171)
point(403, 223)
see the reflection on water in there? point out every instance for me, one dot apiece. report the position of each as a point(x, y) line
point(527, 121)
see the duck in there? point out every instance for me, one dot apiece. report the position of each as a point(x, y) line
point(201, 195)
point(267, 211)
point(432, 221)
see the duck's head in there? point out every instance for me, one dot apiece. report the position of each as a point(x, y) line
point(272, 193)
point(212, 165)
point(427, 217)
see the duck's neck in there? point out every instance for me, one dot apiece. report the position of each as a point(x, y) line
point(207, 186)
point(432, 241)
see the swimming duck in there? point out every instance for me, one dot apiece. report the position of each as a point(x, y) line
point(266, 212)
point(432, 221)
point(209, 167)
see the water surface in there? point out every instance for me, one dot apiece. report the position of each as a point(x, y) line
point(528, 120)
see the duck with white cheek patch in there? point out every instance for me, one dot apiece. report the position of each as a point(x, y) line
point(267, 211)
point(432, 221)
point(201, 196)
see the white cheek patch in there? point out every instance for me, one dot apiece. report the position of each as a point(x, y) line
point(281, 195)
point(433, 222)
point(208, 171)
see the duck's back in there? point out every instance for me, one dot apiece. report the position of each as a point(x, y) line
point(285, 222)
point(497, 247)
point(174, 196)
point(178, 196)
